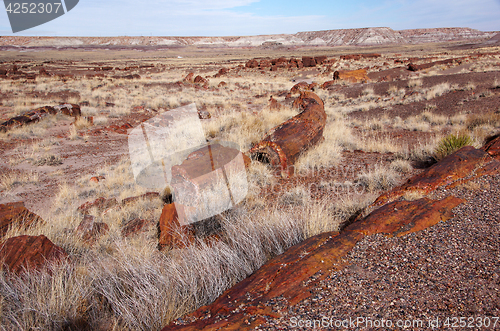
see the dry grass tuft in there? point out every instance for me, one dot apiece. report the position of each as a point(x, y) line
point(378, 179)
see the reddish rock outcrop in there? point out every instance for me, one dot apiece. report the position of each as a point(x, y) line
point(243, 307)
point(264, 63)
point(418, 67)
point(302, 87)
point(308, 61)
point(253, 63)
point(101, 204)
point(89, 230)
point(327, 84)
point(171, 233)
point(320, 59)
point(222, 72)
point(290, 275)
point(200, 80)
point(39, 113)
point(359, 56)
point(146, 196)
point(189, 78)
point(274, 104)
point(15, 214)
point(284, 143)
point(354, 76)
point(29, 252)
point(492, 146)
point(135, 226)
point(463, 163)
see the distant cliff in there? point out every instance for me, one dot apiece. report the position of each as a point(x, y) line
point(342, 37)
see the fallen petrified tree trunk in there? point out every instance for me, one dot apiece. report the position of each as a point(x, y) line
point(39, 113)
point(284, 143)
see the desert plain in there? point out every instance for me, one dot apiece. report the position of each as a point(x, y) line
point(392, 213)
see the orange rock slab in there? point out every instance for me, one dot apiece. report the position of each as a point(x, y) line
point(288, 275)
point(29, 252)
point(15, 214)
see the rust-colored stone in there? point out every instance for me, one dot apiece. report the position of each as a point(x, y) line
point(418, 67)
point(289, 274)
point(29, 252)
point(302, 87)
point(320, 59)
point(359, 56)
point(38, 114)
point(492, 146)
point(458, 165)
point(97, 179)
point(100, 204)
point(189, 78)
point(308, 61)
point(200, 80)
point(253, 63)
point(274, 104)
point(354, 76)
point(134, 227)
point(402, 217)
point(15, 214)
point(89, 230)
point(328, 84)
point(171, 233)
point(284, 143)
point(145, 196)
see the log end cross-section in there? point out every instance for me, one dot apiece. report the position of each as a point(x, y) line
point(284, 143)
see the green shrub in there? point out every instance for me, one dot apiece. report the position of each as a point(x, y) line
point(450, 144)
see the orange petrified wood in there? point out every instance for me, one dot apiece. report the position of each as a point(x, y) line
point(284, 143)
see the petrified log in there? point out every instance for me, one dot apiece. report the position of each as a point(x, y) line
point(353, 75)
point(39, 113)
point(418, 67)
point(492, 146)
point(29, 252)
point(289, 275)
point(308, 61)
point(286, 142)
point(210, 180)
point(463, 163)
point(170, 232)
point(15, 214)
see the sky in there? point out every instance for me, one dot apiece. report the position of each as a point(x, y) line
point(254, 17)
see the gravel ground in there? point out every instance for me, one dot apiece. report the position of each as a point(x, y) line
point(438, 275)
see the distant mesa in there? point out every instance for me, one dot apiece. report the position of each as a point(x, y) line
point(341, 37)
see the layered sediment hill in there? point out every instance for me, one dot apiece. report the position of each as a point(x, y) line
point(342, 37)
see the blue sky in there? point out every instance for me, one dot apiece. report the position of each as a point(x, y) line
point(252, 17)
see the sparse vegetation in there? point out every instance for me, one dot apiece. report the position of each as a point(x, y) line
point(451, 143)
point(120, 283)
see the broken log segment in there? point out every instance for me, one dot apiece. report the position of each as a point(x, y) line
point(38, 114)
point(284, 143)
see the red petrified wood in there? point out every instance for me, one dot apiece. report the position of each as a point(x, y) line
point(284, 143)
point(29, 252)
point(15, 214)
point(171, 233)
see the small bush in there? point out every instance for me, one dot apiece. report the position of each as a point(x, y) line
point(450, 144)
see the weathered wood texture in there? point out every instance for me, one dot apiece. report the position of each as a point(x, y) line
point(283, 144)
